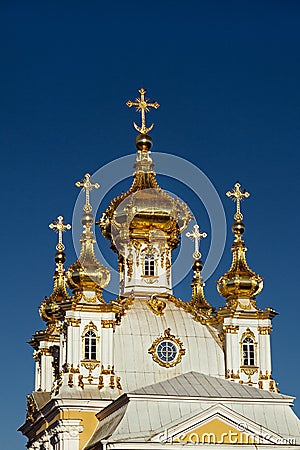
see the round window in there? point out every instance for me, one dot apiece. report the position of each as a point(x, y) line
point(167, 351)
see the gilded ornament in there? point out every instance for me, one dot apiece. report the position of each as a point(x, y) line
point(156, 305)
point(118, 383)
point(265, 376)
point(45, 351)
point(273, 387)
point(80, 381)
point(249, 371)
point(129, 265)
point(90, 365)
point(233, 329)
point(150, 279)
point(100, 383)
point(108, 323)
point(89, 327)
point(31, 408)
point(72, 322)
point(264, 330)
point(112, 382)
point(108, 371)
point(70, 380)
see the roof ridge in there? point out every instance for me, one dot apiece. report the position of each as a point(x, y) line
point(219, 388)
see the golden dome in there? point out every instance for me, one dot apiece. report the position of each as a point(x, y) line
point(240, 282)
point(50, 309)
point(145, 208)
point(87, 274)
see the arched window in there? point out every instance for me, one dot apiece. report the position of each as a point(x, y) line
point(149, 266)
point(248, 351)
point(90, 345)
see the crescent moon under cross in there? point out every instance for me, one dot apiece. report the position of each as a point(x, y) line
point(143, 129)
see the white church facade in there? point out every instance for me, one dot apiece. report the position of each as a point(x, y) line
point(148, 370)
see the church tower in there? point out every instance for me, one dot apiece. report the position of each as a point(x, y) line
point(148, 368)
point(246, 328)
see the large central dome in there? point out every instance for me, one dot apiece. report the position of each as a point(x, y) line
point(145, 209)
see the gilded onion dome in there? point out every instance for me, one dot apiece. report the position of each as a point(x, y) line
point(87, 274)
point(50, 307)
point(240, 282)
point(145, 207)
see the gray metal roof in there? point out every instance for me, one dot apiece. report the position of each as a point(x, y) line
point(194, 384)
point(141, 414)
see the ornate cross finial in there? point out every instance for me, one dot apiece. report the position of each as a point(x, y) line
point(196, 235)
point(88, 186)
point(142, 106)
point(237, 196)
point(59, 227)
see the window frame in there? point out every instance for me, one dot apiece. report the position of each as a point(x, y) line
point(90, 343)
point(149, 265)
point(248, 349)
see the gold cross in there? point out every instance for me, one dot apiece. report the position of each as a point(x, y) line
point(237, 196)
point(196, 235)
point(88, 186)
point(59, 227)
point(142, 106)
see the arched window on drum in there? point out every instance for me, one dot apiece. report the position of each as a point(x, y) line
point(248, 349)
point(149, 265)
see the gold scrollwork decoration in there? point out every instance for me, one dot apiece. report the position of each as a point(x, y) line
point(156, 305)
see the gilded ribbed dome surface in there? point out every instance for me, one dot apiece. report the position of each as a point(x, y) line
point(240, 281)
point(144, 207)
point(87, 274)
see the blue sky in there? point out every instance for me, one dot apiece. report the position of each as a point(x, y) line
point(227, 77)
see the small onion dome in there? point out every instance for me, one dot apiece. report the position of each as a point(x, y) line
point(145, 207)
point(240, 282)
point(50, 309)
point(198, 300)
point(87, 274)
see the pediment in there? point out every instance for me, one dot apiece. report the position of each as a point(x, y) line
point(217, 425)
